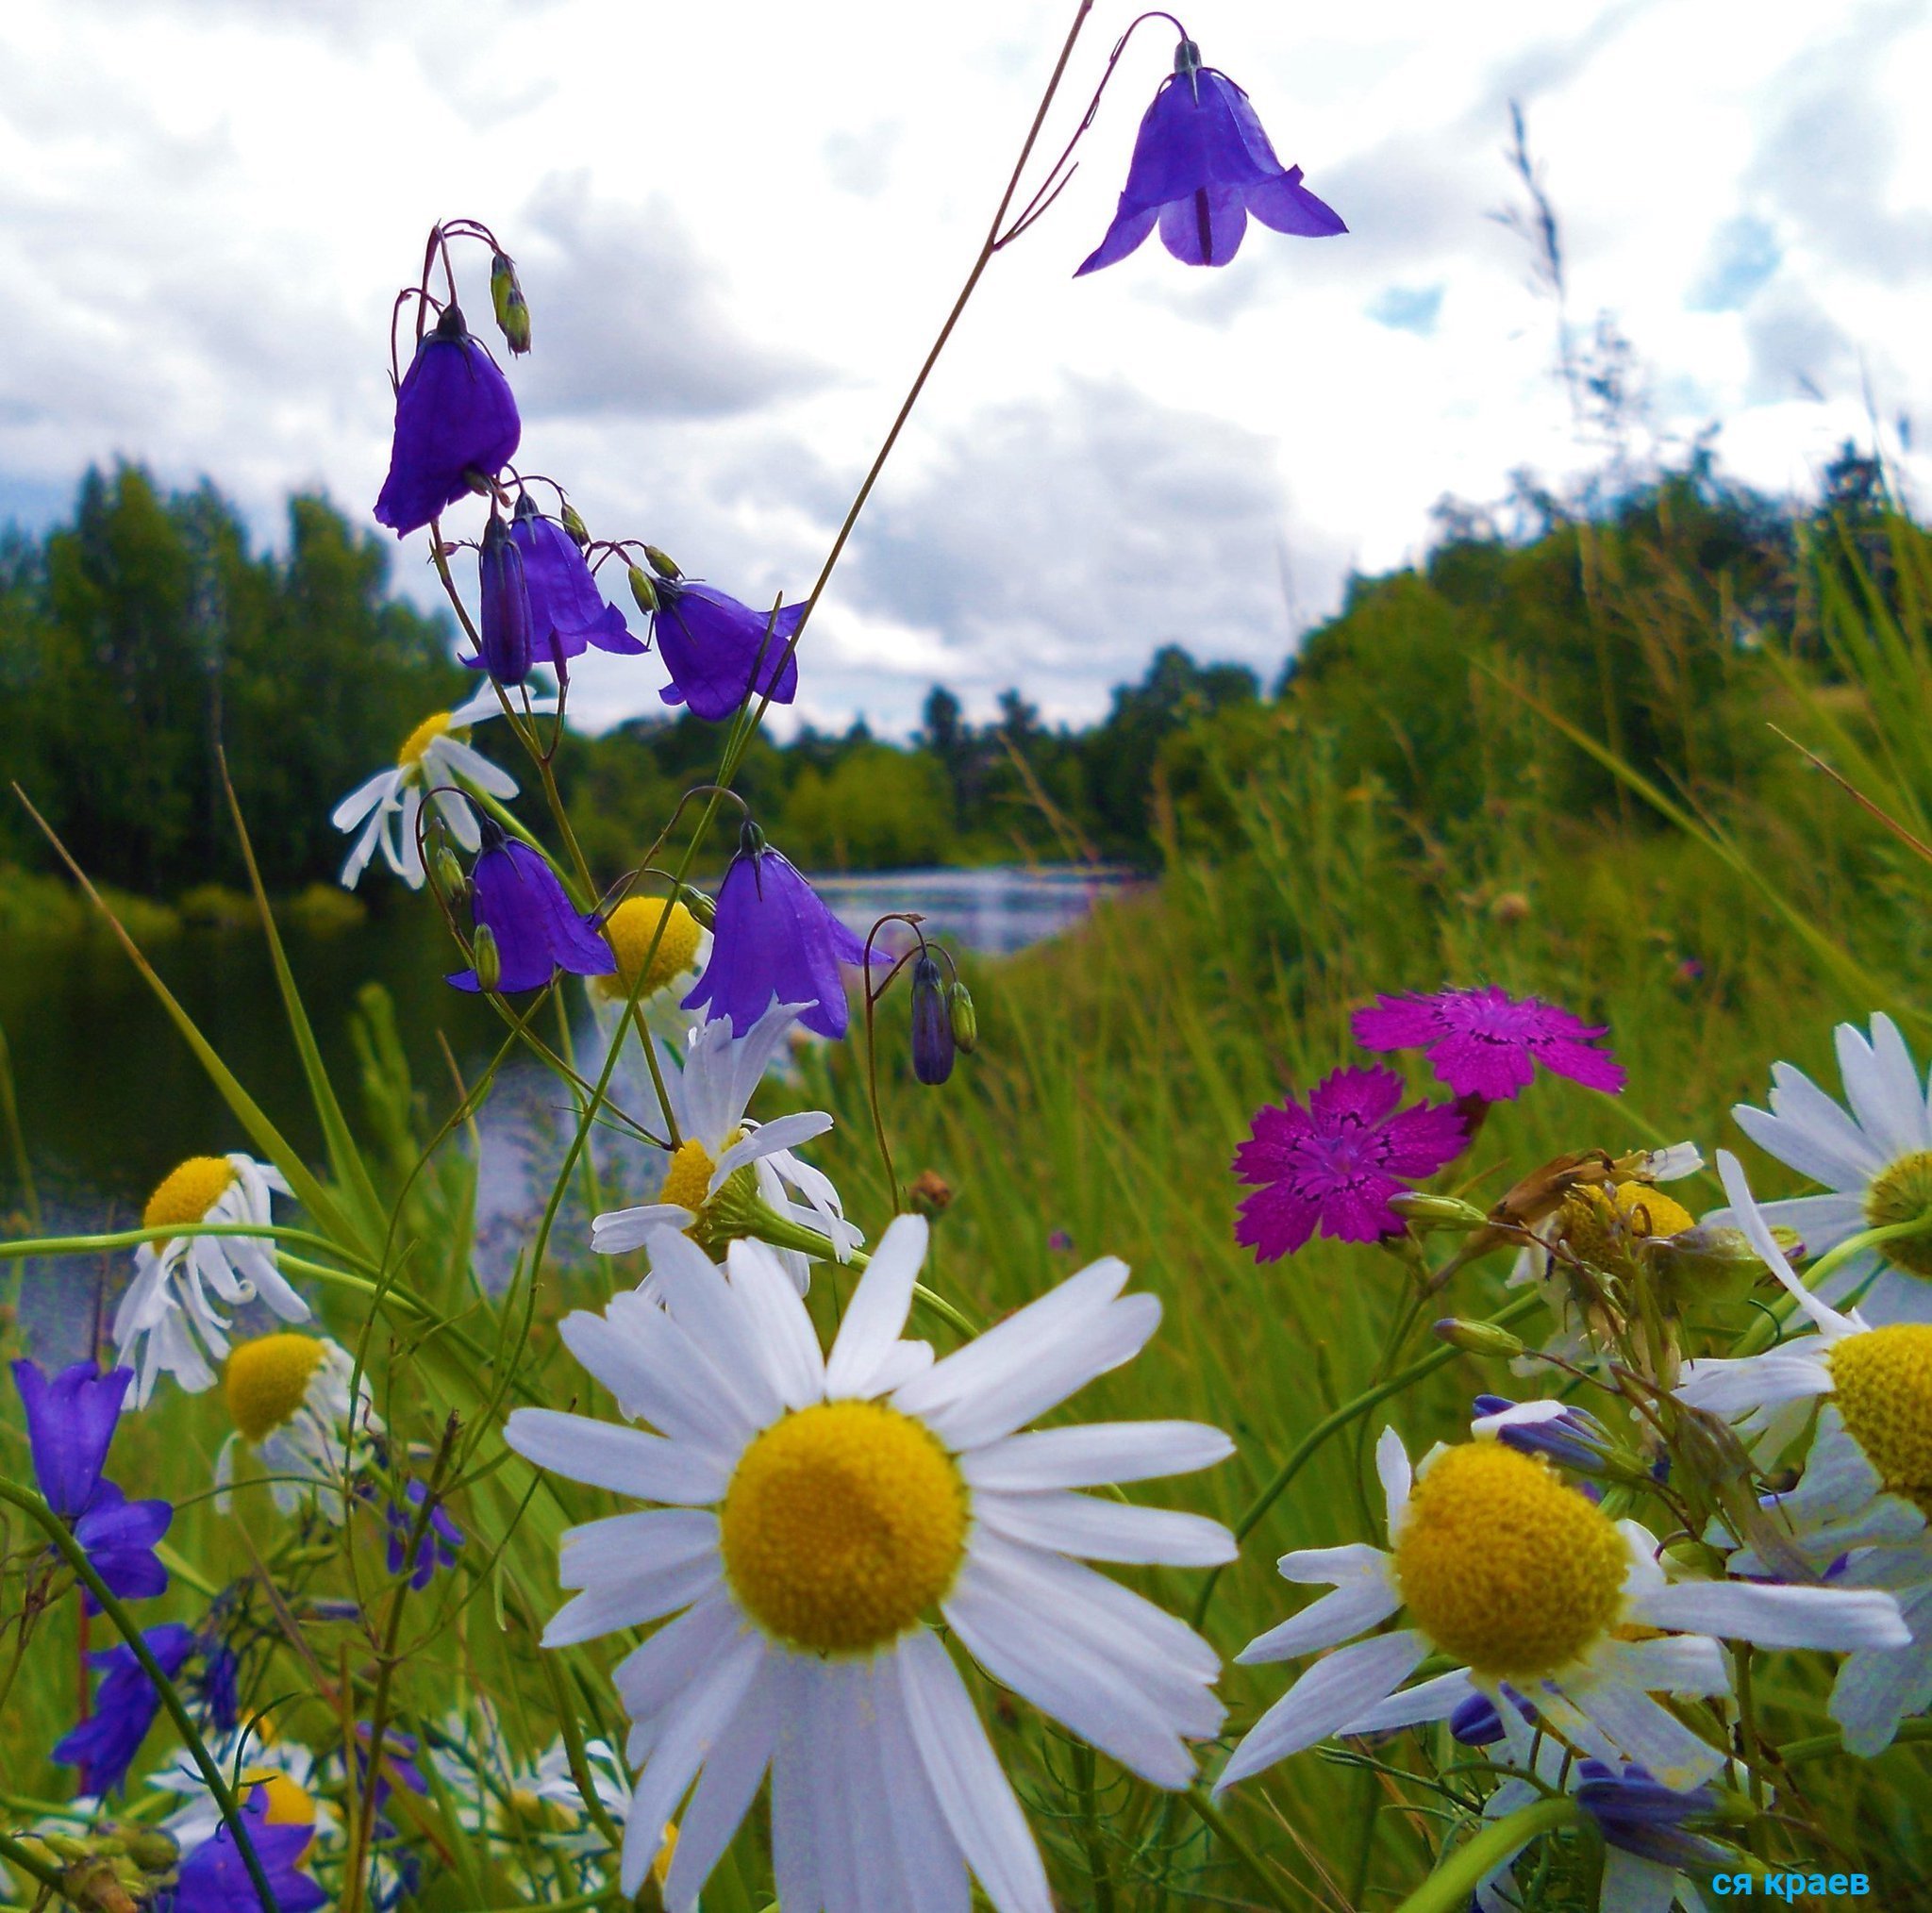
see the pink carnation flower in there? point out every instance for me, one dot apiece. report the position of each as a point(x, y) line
point(1485, 1043)
point(1336, 1162)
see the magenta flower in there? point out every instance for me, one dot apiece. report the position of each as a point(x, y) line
point(1202, 165)
point(1336, 1162)
point(1483, 1043)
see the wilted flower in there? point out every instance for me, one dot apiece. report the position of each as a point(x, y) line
point(504, 616)
point(455, 415)
point(1201, 165)
point(1483, 1043)
point(537, 930)
point(287, 1396)
point(719, 652)
point(821, 1506)
point(1336, 1162)
point(165, 1322)
point(772, 941)
point(567, 610)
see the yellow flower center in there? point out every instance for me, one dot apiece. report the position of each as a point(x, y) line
point(266, 1380)
point(1503, 1567)
point(287, 1804)
point(629, 929)
point(186, 1193)
point(1602, 1226)
point(842, 1525)
point(1883, 1383)
point(660, 1867)
point(421, 739)
point(1902, 1195)
point(687, 1181)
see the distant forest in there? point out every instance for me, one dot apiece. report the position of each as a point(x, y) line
point(138, 636)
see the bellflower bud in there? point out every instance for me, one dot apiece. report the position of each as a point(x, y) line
point(1476, 1338)
point(450, 879)
point(642, 590)
point(489, 962)
point(699, 905)
point(506, 600)
point(507, 296)
point(932, 1027)
point(578, 531)
point(962, 1016)
point(662, 565)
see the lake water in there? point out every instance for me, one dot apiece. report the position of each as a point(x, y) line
point(111, 1098)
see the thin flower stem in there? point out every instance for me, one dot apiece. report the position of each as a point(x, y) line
point(17, 1856)
point(1211, 1816)
point(1766, 1327)
point(62, 1536)
point(128, 1238)
point(1819, 1746)
point(1330, 1424)
point(1449, 1887)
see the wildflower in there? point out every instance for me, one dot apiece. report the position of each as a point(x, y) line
point(567, 610)
point(165, 1322)
point(504, 600)
point(538, 931)
point(1482, 1043)
point(932, 1027)
point(455, 415)
point(1859, 1512)
point(1561, 1432)
point(719, 652)
point(497, 1791)
point(214, 1877)
point(287, 1396)
point(1201, 165)
point(772, 941)
point(440, 1542)
point(1337, 1162)
point(436, 758)
point(730, 1176)
point(818, 1507)
point(1877, 1160)
point(283, 1769)
point(103, 1745)
point(682, 950)
point(1527, 1582)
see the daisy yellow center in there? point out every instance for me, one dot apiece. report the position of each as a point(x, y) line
point(842, 1524)
point(419, 741)
point(1601, 1225)
point(186, 1193)
point(687, 1181)
point(266, 1380)
point(1902, 1195)
point(1503, 1567)
point(1883, 1384)
point(629, 929)
point(287, 1804)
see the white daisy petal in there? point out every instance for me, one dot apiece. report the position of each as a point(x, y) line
point(1723, 1385)
point(1100, 1452)
point(1751, 1219)
point(767, 1139)
point(1107, 1530)
point(1773, 1616)
point(1365, 1594)
point(1877, 1688)
point(1433, 1700)
point(973, 1793)
point(1334, 1692)
point(1398, 1478)
point(362, 800)
point(646, 1593)
point(615, 1547)
point(786, 1342)
point(1882, 1086)
point(626, 1460)
point(934, 1870)
point(649, 1677)
point(472, 767)
point(617, 1232)
point(1646, 1731)
point(876, 1317)
point(1687, 1664)
point(733, 1768)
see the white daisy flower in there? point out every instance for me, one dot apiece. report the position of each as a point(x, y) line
point(165, 1322)
point(497, 1790)
point(287, 1396)
point(820, 1507)
point(1875, 1158)
point(730, 1176)
point(250, 1757)
point(1867, 1487)
point(1503, 1567)
point(683, 950)
point(435, 756)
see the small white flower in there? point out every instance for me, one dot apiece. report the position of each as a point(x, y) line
point(684, 947)
point(435, 756)
point(287, 1396)
point(1877, 1160)
point(710, 1096)
point(1867, 1486)
point(249, 1757)
point(166, 1308)
point(819, 1507)
point(1500, 1565)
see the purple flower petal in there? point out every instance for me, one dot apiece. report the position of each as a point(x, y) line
point(567, 610)
point(537, 930)
point(70, 1425)
point(718, 652)
point(455, 414)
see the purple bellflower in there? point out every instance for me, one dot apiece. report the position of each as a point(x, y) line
point(1638, 1815)
point(1482, 1043)
point(1335, 1163)
point(103, 1745)
point(504, 619)
point(932, 1027)
point(70, 1424)
point(455, 415)
point(441, 1538)
point(772, 940)
point(214, 1877)
point(718, 651)
point(1201, 165)
point(538, 931)
point(567, 610)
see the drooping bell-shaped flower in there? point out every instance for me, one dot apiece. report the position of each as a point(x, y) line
point(103, 1745)
point(567, 610)
point(773, 939)
point(70, 1425)
point(534, 927)
point(1201, 165)
point(455, 415)
point(504, 616)
point(932, 1026)
point(718, 651)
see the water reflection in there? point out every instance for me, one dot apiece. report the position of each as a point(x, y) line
point(995, 910)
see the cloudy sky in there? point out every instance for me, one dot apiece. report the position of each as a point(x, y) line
point(739, 226)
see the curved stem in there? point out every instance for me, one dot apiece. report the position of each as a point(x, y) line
point(1448, 1888)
